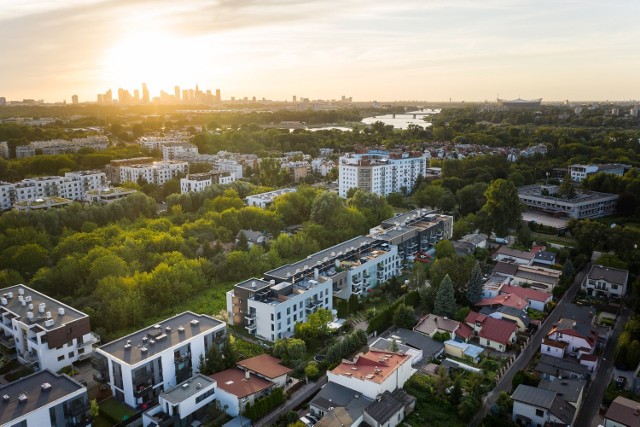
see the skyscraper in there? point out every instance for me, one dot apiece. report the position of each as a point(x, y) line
point(218, 98)
point(74, 99)
point(176, 93)
point(145, 93)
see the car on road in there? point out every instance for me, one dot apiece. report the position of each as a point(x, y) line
point(621, 382)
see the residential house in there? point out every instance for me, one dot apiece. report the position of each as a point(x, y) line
point(333, 395)
point(553, 348)
point(504, 300)
point(373, 372)
point(494, 333)
point(606, 281)
point(534, 406)
point(429, 347)
point(623, 412)
point(571, 390)
point(536, 300)
point(580, 338)
point(544, 258)
point(253, 237)
point(553, 368)
point(590, 361)
point(44, 399)
point(539, 278)
point(513, 256)
point(181, 403)
point(267, 367)
point(389, 409)
point(387, 345)
point(46, 333)
point(463, 350)
point(510, 314)
point(432, 324)
point(478, 240)
point(140, 366)
point(237, 388)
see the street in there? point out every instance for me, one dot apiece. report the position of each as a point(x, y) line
point(588, 413)
point(296, 400)
point(530, 350)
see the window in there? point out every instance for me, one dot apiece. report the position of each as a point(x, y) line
point(60, 358)
point(71, 355)
point(539, 413)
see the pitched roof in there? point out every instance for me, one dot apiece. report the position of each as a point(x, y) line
point(534, 396)
point(545, 256)
point(508, 300)
point(382, 409)
point(266, 365)
point(339, 396)
point(624, 411)
point(506, 268)
point(497, 330)
point(515, 253)
point(473, 317)
point(609, 274)
point(431, 322)
point(374, 366)
point(428, 345)
point(569, 390)
point(233, 381)
point(464, 331)
point(526, 293)
point(553, 366)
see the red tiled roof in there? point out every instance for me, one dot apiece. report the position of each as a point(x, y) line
point(265, 365)
point(474, 317)
point(233, 381)
point(525, 293)
point(554, 343)
point(464, 331)
point(373, 366)
point(497, 330)
point(591, 339)
point(508, 300)
point(589, 357)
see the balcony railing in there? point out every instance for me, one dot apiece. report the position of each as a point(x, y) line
point(142, 389)
point(77, 409)
point(93, 339)
point(251, 327)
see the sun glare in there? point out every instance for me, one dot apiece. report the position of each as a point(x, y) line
point(156, 58)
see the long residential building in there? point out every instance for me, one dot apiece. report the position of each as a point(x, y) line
point(44, 399)
point(380, 172)
point(197, 182)
point(155, 173)
point(144, 364)
point(46, 333)
point(269, 307)
point(545, 199)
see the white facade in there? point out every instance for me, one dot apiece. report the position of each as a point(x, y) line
point(380, 172)
point(230, 166)
point(195, 183)
point(170, 151)
point(552, 348)
point(576, 344)
point(156, 173)
point(141, 365)
point(47, 334)
point(538, 416)
point(606, 281)
point(579, 173)
point(264, 200)
point(7, 195)
point(584, 205)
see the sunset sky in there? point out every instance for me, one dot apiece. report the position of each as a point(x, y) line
point(371, 50)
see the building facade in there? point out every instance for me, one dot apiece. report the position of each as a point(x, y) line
point(380, 172)
point(584, 205)
point(606, 281)
point(155, 173)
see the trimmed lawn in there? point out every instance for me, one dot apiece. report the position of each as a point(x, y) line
point(114, 409)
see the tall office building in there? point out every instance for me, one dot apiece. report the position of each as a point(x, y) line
point(136, 95)
point(3, 100)
point(74, 99)
point(185, 95)
point(176, 93)
point(145, 93)
point(218, 98)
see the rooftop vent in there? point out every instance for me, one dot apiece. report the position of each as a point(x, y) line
point(5, 397)
point(22, 398)
point(199, 386)
point(48, 323)
point(30, 306)
point(48, 315)
point(9, 295)
point(152, 342)
point(28, 298)
point(157, 327)
point(143, 349)
point(127, 346)
point(4, 301)
point(185, 386)
point(194, 322)
point(145, 339)
point(61, 311)
point(168, 329)
point(20, 291)
point(180, 328)
point(45, 386)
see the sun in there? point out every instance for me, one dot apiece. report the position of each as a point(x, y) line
point(159, 59)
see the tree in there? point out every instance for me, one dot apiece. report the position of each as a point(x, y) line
point(94, 409)
point(394, 346)
point(445, 304)
point(456, 392)
point(566, 189)
point(471, 197)
point(445, 249)
point(474, 286)
point(502, 208)
point(311, 370)
point(404, 317)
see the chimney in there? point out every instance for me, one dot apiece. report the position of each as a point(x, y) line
point(247, 375)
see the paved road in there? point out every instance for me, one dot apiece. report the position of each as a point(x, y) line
point(296, 400)
point(588, 414)
point(532, 348)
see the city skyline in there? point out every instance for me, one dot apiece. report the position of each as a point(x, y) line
point(421, 50)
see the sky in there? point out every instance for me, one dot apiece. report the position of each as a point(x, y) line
point(428, 50)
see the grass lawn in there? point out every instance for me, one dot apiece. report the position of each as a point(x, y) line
point(112, 408)
point(559, 240)
point(101, 421)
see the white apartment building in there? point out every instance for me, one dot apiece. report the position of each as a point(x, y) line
point(181, 402)
point(380, 172)
point(227, 165)
point(75, 184)
point(264, 200)
point(156, 142)
point(590, 204)
point(4, 149)
point(579, 173)
point(109, 195)
point(46, 333)
point(155, 173)
point(141, 366)
point(7, 195)
point(44, 399)
point(198, 182)
point(172, 150)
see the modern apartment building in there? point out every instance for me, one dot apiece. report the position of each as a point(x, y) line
point(144, 364)
point(113, 169)
point(380, 172)
point(197, 182)
point(545, 199)
point(44, 399)
point(155, 173)
point(264, 200)
point(170, 151)
point(109, 195)
point(46, 333)
point(579, 173)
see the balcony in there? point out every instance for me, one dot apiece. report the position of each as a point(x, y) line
point(7, 342)
point(101, 377)
point(312, 306)
point(93, 339)
point(142, 389)
point(251, 328)
point(77, 409)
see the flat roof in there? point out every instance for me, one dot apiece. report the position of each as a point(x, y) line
point(588, 196)
point(166, 334)
point(35, 298)
point(36, 396)
point(186, 389)
point(374, 366)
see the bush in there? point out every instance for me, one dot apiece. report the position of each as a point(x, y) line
point(19, 373)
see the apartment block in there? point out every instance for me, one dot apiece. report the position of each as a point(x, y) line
point(141, 366)
point(380, 172)
point(155, 173)
point(172, 150)
point(579, 173)
point(113, 169)
point(44, 399)
point(545, 199)
point(46, 333)
point(197, 182)
point(107, 196)
point(264, 200)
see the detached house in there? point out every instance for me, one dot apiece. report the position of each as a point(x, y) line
point(580, 339)
point(606, 281)
point(536, 300)
point(534, 406)
point(495, 333)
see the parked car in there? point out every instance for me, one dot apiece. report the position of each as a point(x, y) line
point(621, 382)
point(306, 421)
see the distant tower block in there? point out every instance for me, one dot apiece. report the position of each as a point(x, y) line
point(74, 99)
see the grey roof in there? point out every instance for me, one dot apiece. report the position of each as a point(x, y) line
point(515, 253)
point(336, 395)
point(407, 217)
point(463, 248)
point(569, 390)
point(534, 396)
point(36, 298)
point(563, 410)
point(506, 268)
point(545, 256)
point(384, 344)
point(579, 313)
point(192, 325)
point(475, 239)
point(624, 411)
point(186, 389)
point(428, 345)
point(384, 408)
point(511, 311)
point(555, 366)
point(252, 236)
point(609, 274)
point(31, 386)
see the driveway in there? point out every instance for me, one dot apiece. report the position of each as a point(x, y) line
point(296, 400)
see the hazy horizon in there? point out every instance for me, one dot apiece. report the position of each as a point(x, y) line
point(368, 50)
